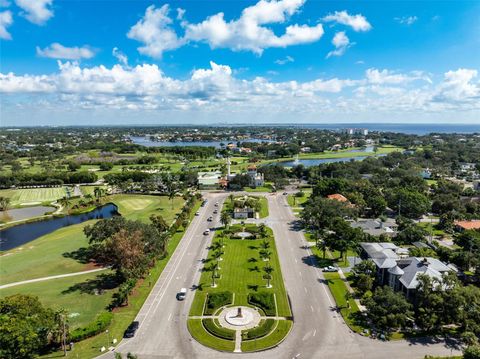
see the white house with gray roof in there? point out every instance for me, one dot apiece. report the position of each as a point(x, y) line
point(396, 269)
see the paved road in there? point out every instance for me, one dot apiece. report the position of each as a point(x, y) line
point(51, 277)
point(318, 332)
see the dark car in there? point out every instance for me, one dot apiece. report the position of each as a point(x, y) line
point(132, 328)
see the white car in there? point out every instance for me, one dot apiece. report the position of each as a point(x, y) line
point(197, 213)
point(216, 204)
point(207, 232)
point(182, 294)
point(330, 269)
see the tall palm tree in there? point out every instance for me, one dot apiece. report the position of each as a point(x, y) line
point(225, 218)
point(213, 269)
point(268, 274)
point(231, 198)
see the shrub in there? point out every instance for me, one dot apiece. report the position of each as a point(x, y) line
point(211, 327)
point(263, 300)
point(99, 325)
point(261, 330)
point(217, 300)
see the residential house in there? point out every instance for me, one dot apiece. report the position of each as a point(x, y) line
point(401, 272)
point(376, 227)
point(461, 226)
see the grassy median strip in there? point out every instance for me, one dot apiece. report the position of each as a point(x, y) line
point(198, 331)
point(274, 338)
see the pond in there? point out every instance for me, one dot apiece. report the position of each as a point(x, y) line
point(316, 162)
point(23, 233)
point(147, 142)
point(19, 214)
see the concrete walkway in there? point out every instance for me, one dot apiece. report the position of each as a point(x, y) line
point(51, 277)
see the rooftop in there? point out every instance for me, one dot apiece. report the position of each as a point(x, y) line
point(338, 197)
point(474, 224)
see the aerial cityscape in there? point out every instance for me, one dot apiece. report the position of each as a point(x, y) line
point(239, 179)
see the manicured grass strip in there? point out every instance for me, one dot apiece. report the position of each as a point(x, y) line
point(348, 310)
point(264, 209)
point(260, 331)
point(273, 339)
point(198, 332)
point(266, 188)
point(242, 273)
point(141, 207)
point(220, 332)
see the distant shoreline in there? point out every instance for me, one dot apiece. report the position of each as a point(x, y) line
point(406, 128)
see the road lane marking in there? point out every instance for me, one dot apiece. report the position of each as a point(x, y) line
point(314, 332)
point(311, 307)
point(170, 316)
point(305, 288)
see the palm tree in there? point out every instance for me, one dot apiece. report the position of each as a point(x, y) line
point(213, 269)
point(265, 254)
point(60, 331)
point(225, 218)
point(64, 201)
point(98, 192)
point(265, 244)
point(268, 274)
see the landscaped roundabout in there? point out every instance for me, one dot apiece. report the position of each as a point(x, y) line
point(241, 304)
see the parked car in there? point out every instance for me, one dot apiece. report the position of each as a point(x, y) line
point(285, 193)
point(216, 204)
point(210, 219)
point(206, 232)
point(132, 328)
point(182, 294)
point(330, 269)
point(197, 213)
point(215, 212)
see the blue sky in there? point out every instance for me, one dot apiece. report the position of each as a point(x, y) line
point(239, 61)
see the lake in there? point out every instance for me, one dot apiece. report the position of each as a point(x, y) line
point(316, 162)
point(147, 142)
point(23, 233)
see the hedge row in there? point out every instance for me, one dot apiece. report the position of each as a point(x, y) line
point(264, 300)
point(99, 325)
point(261, 330)
point(223, 333)
point(217, 300)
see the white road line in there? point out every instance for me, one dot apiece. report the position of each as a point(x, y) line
point(305, 288)
point(314, 332)
point(300, 273)
point(169, 316)
point(311, 307)
point(296, 260)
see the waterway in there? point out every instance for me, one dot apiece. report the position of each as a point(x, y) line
point(147, 142)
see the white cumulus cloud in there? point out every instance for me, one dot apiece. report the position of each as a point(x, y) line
point(155, 32)
point(5, 21)
point(356, 22)
point(285, 60)
point(248, 31)
point(36, 11)
point(341, 43)
point(58, 51)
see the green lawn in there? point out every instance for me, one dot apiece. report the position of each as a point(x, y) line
point(276, 336)
point(141, 207)
point(73, 294)
point(238, 275)
point(264, 209)
point(32, 195)
point(266, 188)
point(197, 331)
point(45, 256)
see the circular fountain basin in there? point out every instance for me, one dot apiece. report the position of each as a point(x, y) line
point(229, 318)
point(243, 234)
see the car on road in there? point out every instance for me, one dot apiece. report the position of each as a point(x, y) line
point(330, 269)
point(132, 328)
point(209, 219)
point(182, 294)
point(204, 203)
point(216, 204)
point(206, 232)
point(215, 212)
point(285, 193)
point(197, 213)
